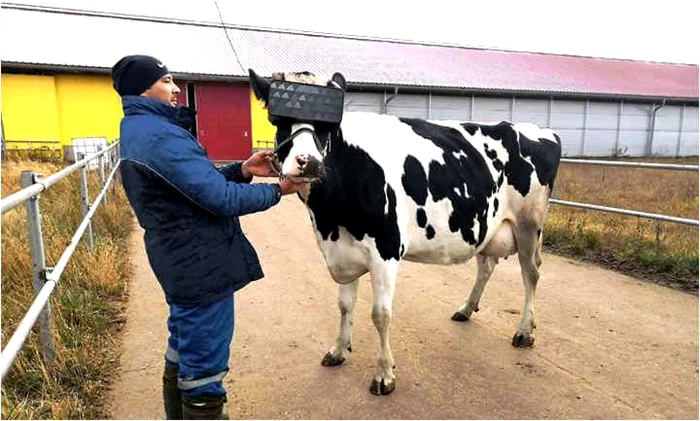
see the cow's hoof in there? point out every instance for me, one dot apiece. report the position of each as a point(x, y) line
point(523, 340)
point(330, 360)
point(382, 388)
point(460, 317)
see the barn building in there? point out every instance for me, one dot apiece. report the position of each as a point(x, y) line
point(56, 88)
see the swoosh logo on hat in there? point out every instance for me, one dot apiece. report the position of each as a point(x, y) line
point(160, 65)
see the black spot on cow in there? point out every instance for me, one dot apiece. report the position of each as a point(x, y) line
point(516, 169)
point(464, 166)
point(495, 206)
point(414, 180)
point(353, 194)
point(490, 153)
point(493, 155)
point(430, 232)
point(421, 217)
point(403, 249)
point(471, 128)
point(544, 154)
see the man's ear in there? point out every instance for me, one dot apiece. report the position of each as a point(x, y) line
point(260, 86)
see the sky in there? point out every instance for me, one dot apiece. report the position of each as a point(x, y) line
point(660, 31)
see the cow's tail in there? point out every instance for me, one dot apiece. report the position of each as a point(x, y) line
point(555, 160)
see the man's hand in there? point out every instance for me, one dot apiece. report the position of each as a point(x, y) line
point(287, 186)
point(259, 164)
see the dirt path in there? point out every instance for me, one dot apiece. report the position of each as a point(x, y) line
point(608, 346)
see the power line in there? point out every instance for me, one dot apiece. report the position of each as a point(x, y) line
point(223, 26)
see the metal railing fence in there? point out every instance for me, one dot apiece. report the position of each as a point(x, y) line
point(652, 165)
point(628, 212)
point(46, 278)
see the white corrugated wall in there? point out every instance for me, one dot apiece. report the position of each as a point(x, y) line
point(590, 128)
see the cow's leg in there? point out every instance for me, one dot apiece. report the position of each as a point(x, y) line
point(347, 294)
point(485, 267)
point(383, 286)
point(528, 238)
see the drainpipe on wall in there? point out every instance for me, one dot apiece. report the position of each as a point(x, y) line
point(430, 105)
point(4, 147)
point(387, 100)
point(653, 125)
point(680, 131)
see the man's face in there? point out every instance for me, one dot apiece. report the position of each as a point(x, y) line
point(164, 89)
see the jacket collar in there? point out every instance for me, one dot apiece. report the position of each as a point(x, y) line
point(137, 105)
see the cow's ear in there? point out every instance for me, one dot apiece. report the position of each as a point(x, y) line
point(340, 80)
point(260, 86)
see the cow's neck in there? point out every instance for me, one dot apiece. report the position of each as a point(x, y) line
point(335, 139)
point(305, 192)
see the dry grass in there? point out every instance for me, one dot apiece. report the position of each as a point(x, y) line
point(87, 304)
point(662, 252)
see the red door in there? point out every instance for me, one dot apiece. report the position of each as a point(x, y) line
point(223, 120)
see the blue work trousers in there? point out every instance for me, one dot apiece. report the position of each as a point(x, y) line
point(199, 345)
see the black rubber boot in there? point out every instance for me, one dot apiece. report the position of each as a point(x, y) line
point(204, 408)
point(172, 400)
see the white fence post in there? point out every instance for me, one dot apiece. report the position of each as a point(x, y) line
point(114, 158)
point(102, 169)
point(84, 195)
point(36, 244)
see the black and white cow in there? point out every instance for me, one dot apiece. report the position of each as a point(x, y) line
point(391, 189)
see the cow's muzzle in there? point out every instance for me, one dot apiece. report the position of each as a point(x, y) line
point(304, 167)
point(307, 168)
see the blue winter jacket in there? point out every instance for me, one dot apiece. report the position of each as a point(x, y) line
point(188, 208)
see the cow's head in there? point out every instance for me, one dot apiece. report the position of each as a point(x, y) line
point(306, 110)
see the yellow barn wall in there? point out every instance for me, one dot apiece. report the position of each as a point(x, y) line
point(263, 130)
point(67, 106)
point(30, 110)
point(88, 107)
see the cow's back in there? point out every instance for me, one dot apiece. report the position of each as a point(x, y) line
point(432, 191)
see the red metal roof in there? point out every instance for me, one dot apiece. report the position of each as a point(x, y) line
point(98, 41)
point(391, 63)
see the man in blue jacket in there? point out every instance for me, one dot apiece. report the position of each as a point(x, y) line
point(189, 210)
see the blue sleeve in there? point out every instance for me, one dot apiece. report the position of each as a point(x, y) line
point(234, 172)
point(184, 165)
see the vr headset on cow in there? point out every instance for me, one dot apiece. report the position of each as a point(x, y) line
point(305, 103)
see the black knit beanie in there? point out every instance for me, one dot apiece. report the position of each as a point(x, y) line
point(132, 75)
